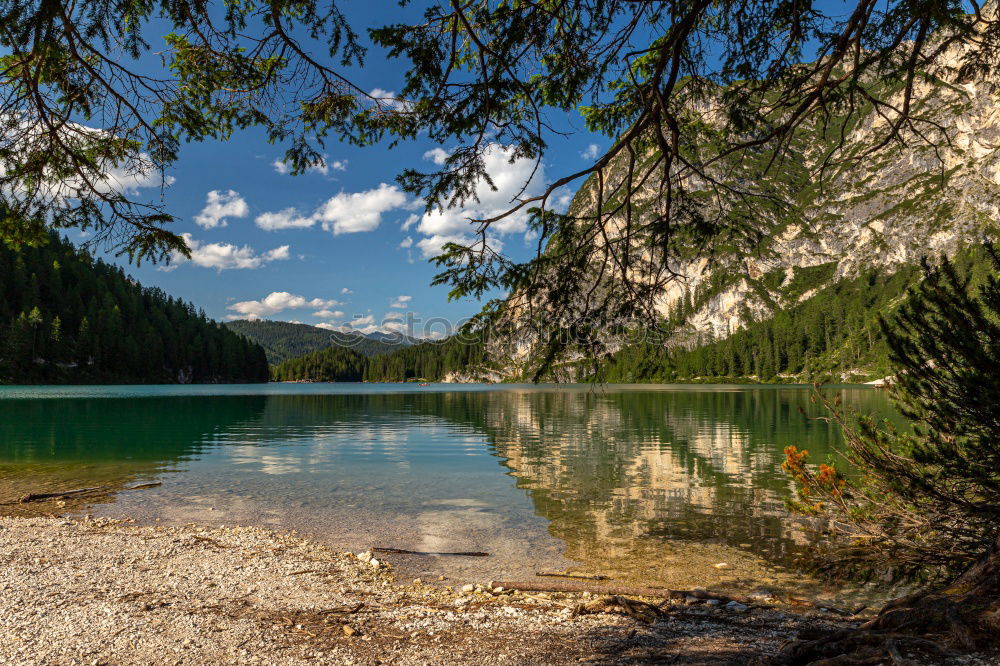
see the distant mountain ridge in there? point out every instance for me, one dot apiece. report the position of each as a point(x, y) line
point(284, 340)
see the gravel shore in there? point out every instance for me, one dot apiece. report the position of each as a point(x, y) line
point(113, 592)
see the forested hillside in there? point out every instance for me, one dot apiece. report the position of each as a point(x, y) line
point(832, 334)
point(430, 361)
point(68, 318)
point(284, 340)
point(333, 364)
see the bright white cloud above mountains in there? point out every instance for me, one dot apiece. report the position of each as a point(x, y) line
point(357, 212)
point(401, 302)
point(514, 179)
point(279, 301)
point(343, 213)
point(225, 256)
point(220, 205)
point(360, 211)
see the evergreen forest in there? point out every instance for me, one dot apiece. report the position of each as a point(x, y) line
point(66, 317)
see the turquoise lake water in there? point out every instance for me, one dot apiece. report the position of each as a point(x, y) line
point(646, 483)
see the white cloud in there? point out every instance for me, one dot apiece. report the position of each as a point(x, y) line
point(329, 314)
point(288, 218)
point(218, 206)
point(345, 290)
point(561, 199)
point(344, 213)
point(136, 174)
point(432, 245)
point(400, 302)
point(354, 212)
point(410, 221)
point(387, 99)
point(436, 155)
point(278, 253)
point(367, 320)
point(278, 301)
point(324, 166)
point(591, 152)
point(224, 256)
point(26, 136)
point(453, 224)
point(407, 242)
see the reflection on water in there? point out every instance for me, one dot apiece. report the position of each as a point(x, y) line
point(647, 484)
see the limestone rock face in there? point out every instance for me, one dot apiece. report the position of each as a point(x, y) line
point(920, 197)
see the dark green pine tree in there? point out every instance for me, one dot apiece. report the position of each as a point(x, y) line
point(67, 318)
point(923, 505)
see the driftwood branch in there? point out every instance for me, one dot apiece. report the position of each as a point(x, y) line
point(614, 590)
point(571, 574)
point(402, 551)
point(39, 497)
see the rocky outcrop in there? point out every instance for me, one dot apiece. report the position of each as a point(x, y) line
point(931, 194)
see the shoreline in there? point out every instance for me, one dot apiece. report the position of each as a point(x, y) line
point(100, 591)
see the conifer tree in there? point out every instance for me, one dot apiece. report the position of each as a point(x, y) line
point(924, 505)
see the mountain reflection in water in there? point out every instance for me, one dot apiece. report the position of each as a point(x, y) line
point(617, 476)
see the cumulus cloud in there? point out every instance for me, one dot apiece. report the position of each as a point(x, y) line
point(348, 213)
point(345, 290)
point(400, 302)
point(288, 218)
point(410, 221)
point(324, 166)
point(225, 256)
point(591, 152)
point(407, 242)
point(344, 213)
point(329, 314)
point(220, 205)
point(453, 224)
point(278, 301)
point(436, 155)
point(125, 176)
point(387, 99)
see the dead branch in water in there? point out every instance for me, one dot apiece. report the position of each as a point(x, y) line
point(63, 494)
point(38, 497)
point(402, 551)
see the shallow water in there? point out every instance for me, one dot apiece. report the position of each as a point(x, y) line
point(649, 484)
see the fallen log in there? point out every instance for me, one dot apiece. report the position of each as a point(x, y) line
point(403, 551)
point(615, 590)
point(572, 574)
point(38, 497)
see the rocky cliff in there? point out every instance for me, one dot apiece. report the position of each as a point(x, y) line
point(930, 194)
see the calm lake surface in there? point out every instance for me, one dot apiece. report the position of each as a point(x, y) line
point(650, 484)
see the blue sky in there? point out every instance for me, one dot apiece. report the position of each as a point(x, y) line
point(340, 244)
